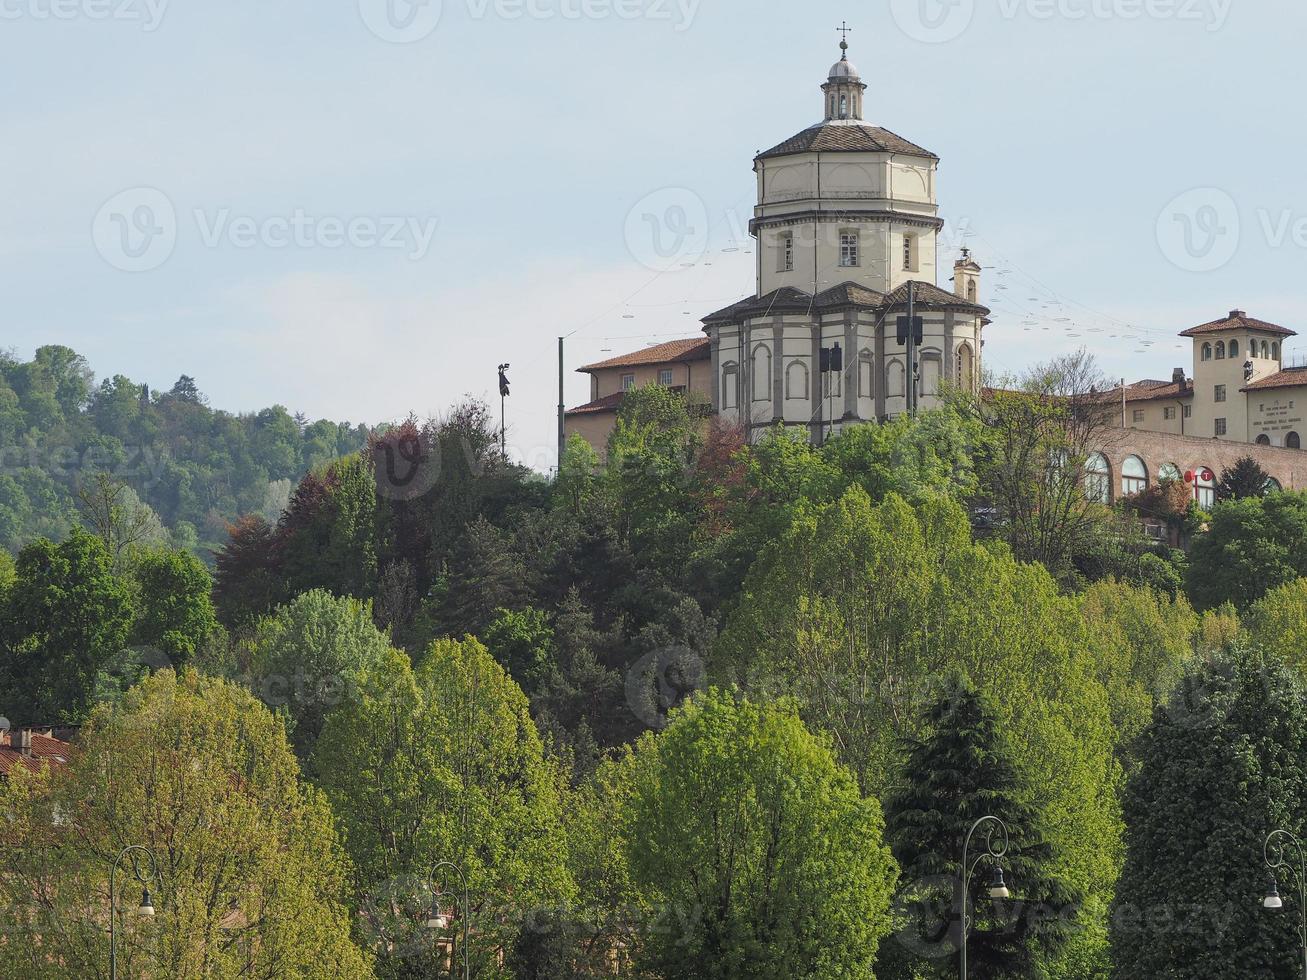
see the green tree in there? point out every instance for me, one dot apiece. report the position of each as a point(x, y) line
point(1254, 545)
point(524, 643)
point(1244, 479)
point(251, 876)
point(1277, 624)
point(1221, 766)
point(961, 771)
point(174, 604)
point(66, 617)
point(443, 762)
point(309, 656)
point(757, 845)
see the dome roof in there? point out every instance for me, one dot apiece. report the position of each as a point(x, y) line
point(844, 71)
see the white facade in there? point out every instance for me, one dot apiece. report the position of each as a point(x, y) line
point(847, 225)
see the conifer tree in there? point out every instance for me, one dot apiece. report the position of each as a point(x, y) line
point(960, 772)
point(1221, 765)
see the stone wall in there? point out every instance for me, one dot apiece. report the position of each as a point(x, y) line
point(1288, 466)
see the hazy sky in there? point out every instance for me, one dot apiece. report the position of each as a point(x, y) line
point(357, 208)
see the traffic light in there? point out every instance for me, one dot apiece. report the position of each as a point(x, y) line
point(918, 330)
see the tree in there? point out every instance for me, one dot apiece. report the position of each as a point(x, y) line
point(247, 578)
point(1221, 766)
point(66, 617)
point(1277, 624)
point(194, 770)
point(443, 762)
point(174, 606)
point(1038, 432)
point(760, 847)
point(961, 771)
point(1254, 545)
point(1244, 479)
point(309, 656)
point(117, 516)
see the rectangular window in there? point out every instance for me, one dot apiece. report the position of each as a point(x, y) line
point(1219, 393)
point(1220, 427)
point(1139, 414)
point(1188, 411)
point(665, 377)
point(628, 382)
point(786, 263)
point(848, 249)
point(907, 253)
point(1168, 413)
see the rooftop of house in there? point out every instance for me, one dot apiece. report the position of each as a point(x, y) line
point(609, 403)
point(1288, 378)
point(45, 750)
point(673, 352)
point(1238, 320)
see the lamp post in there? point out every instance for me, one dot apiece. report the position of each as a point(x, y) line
point(146, 908)
point(503, 411)
point(1277, 841)
point(438, 919)
point(992, 854)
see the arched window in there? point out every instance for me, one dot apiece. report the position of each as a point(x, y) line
point(894, 379)
point(1169, 472)
point(1207, 352)
point(966, 367)
point(844, 107)
point(761, 376)
point(796, 380)
point(1234, 348)
point(866, 374)
point(1134, 476)
point(1263, 440)
point(971, 291)
point(730, 385)
point(1098, 479)
point(1220, 350)
point(1205, 483)
point(1266, 351)
point(1292, 441)
point(1273, 485)
point(1275, 350)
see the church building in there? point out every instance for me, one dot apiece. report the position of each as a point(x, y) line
point(847, 226)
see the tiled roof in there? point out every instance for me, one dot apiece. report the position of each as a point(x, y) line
point(609, 403)
point(829, 137)
point(1288, 378)
point(1151, 390)
point(1238, 320)
point(690, 349)
point(45, 751)
point(849, 294)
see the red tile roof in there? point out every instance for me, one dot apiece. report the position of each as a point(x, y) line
point(1288, 378)
point(1238, 320)
point(1151, 389)
point(45, 751)
point(676, 351)
point(609, 403)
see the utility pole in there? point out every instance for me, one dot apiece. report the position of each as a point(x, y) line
point(912, 348)
point(562, 437)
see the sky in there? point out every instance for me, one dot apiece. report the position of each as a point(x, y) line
point(359, 208)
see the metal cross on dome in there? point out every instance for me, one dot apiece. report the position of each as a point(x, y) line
point(845, 30)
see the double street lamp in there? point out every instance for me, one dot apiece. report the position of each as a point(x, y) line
point(138, 855)
point(1273, 851)
point(996, 846)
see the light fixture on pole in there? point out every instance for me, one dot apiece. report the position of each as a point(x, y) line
point(503, 397)
point(1273, 851)
point(996, 886)
point(145, 909)
point(438, 920)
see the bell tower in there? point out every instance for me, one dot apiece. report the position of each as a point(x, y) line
point(844, 89)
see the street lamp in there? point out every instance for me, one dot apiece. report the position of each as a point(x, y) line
point(437, 919)
point(1277, 841)
point(145, 909)
point(994, 852)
